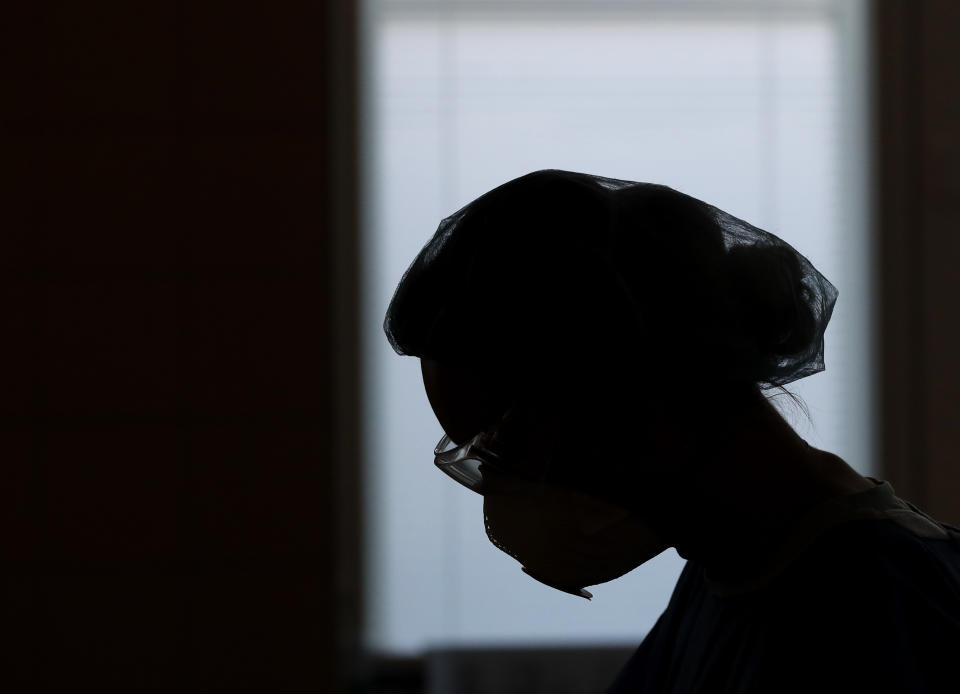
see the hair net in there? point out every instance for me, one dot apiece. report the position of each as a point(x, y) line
point(557, 266)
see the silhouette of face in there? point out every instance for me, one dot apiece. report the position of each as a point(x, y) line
point(565, 538)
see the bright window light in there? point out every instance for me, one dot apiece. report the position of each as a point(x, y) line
point(748, 111)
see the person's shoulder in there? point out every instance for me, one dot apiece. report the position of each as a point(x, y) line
point(863, 576)
point(894, 555)
point(873, 592)
point(872, 606)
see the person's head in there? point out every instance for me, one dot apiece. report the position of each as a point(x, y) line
point(610, 328)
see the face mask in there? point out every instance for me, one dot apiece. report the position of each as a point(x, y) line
point(563, 538)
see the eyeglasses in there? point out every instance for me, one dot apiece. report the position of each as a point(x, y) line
point(478, 467)
point(467, 462)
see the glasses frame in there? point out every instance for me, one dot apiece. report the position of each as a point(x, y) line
point(474, 448)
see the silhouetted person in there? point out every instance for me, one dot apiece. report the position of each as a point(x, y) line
point(597, 352)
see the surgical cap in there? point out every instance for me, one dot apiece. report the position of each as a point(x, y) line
point(557, 266)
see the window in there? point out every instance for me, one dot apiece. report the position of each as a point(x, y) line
point(754, 107)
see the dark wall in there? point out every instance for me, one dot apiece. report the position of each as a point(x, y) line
point(916, 65)
point(167, 492)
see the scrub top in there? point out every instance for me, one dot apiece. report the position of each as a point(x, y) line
point(862, 595)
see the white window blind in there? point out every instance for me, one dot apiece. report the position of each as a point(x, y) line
point(751, 111)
